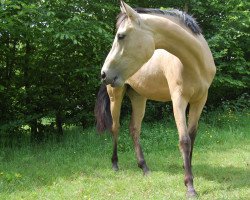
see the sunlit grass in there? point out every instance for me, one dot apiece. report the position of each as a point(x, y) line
point(79, 166)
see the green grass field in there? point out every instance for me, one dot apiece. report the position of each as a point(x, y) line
point(79, 167)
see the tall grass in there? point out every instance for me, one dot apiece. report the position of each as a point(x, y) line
point(79, 166)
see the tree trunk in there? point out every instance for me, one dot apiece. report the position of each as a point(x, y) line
point(186, 7)
point(35, 136)
point(7, 110)
point(59, 124)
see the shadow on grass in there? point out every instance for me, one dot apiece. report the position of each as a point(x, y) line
point(229, 176)
point(233, 177)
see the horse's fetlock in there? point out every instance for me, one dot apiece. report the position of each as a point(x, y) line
point(188, 180)
point(134, 129)
point(114, 159)
point(141, 164)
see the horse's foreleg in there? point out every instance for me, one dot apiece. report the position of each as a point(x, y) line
point(179, 106)
point(116, 96)
point(193, 118)
point(138, 109)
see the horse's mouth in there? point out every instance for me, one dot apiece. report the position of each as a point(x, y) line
point(116, 82)
point(108, 81)
point(113, 82)
point(111, 78)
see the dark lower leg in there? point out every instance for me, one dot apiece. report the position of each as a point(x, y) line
point(114, 158)
point(141, 161)
point(135, 133)
point(140, 158)
point(192, 138)
point(185, 146)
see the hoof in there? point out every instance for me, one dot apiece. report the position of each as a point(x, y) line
point(145, 169)
point(115, 167)
point(191, 194)
point(147, 173)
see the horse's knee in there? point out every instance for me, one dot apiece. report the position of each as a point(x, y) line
point(134, 129)
point(141, 163)
point(184, 140)
point(192, 130)
point(185, 143)
point(115, 128)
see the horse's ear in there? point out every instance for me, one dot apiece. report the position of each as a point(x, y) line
point(130, 12)
point(122, 7)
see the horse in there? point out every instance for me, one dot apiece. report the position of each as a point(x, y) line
point(159, 55)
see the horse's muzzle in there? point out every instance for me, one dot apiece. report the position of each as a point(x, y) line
point(108, 80)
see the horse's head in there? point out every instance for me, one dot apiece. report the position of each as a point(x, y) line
point(132, 47)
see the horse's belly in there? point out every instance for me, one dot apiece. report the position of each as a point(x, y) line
point(153, 88)
point(161, 94)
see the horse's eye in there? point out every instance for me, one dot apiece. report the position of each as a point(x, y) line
point(120, 36)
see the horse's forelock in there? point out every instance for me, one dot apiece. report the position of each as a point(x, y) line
point(120, 19)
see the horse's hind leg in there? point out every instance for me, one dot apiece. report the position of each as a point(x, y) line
point(193, 118)
point(138, 109)
point(179, 106)
point(116, 95)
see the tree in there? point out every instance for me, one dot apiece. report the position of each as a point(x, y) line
point(51, 53)
point(225, 25)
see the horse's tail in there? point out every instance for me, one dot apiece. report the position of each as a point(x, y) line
point(102, 110)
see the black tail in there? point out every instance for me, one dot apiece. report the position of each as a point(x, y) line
point(102, 110)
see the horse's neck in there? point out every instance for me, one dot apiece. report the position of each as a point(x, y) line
point(176, 39)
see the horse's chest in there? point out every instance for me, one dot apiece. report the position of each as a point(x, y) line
point(151, 86)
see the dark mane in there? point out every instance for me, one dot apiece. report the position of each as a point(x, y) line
point(186, 19)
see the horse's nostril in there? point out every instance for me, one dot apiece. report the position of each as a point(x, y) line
point(103, 75)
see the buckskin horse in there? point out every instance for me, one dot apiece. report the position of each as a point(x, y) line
point(138, 65)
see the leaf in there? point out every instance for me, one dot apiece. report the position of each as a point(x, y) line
point(2, 88)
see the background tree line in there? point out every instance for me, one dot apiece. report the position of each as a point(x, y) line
point(51, 53)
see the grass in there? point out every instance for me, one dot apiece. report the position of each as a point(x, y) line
point(79, 167)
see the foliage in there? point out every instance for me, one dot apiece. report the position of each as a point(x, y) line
point(226, 27)
point(51, 53)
